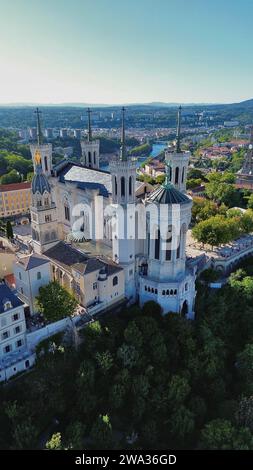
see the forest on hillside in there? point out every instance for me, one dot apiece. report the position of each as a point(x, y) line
point(143, 381)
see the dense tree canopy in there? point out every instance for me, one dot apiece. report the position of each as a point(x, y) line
point(140, 380)
point(55, 302)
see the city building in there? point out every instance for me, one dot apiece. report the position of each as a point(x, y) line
point(14, 355)
point(49, 133)
point(32, 133)
point(31, 272)
point(77, 133)
point(154, 168)
point(63, 133)
point(95, 211)
point(15, 199)
point(244, 177)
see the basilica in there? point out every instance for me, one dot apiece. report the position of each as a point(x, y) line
point(108, 236)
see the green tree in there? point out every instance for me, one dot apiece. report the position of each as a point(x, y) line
point(9, 230)
point(104, 360)
point(55, 442)
point(178, 390)
point(128, 355)
point(244, 413)
point(11, 177)
point(222, 435)
point(250, 202)
point(101, 433)
point(133, 335)
point(245, 362)
point(75, 435)
point(216, 230)
point(55, 302)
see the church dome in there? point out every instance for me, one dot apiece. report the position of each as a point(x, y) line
point(40, 183)
point(168, 194)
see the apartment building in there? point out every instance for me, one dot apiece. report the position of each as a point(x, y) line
point(15, 199)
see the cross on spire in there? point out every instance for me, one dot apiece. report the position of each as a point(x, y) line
point(178, 146)
point(89, 125)
point(123, 155)
point(39, 131)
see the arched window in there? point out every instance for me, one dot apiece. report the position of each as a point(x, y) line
point(122, 181)
point(89, 157)
point(176, 175)
point(171, 292)
point(115, 281)
point(27, 363)
point(157, 245)
point(182, 175)
point(168, 244)
point(116, 185)
point(130, 185)
point(45, 164)
point(94, 158)
point(167, 292)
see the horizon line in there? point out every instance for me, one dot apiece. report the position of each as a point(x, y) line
point(149, 103)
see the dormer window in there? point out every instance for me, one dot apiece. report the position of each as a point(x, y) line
point(7, 305)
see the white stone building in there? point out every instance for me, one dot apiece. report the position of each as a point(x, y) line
point(14, 355)
point(31, 272)
point(105, 211)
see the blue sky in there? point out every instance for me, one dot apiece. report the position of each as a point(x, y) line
point(125, 51)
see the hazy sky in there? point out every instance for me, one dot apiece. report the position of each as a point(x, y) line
point(115, 51)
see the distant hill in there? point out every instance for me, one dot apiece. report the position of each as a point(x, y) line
point(245, 104)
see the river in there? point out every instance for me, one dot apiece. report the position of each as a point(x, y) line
point(156, 149)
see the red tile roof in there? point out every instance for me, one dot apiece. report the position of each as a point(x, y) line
point(15, 186)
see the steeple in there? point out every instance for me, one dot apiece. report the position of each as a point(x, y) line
point(178, 147)
point(123, 153)
point(90, 147)
point(39, 132)
point(89, 125)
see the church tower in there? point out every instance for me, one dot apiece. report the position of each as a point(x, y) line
point(178, 160)
point(123, 174)
point(43, 209)
point(90, 148)
point(44, 149)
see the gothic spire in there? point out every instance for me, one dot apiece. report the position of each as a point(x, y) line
point(89, 125)
point(178, 147)
point(123, 153)
point(39, 131)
